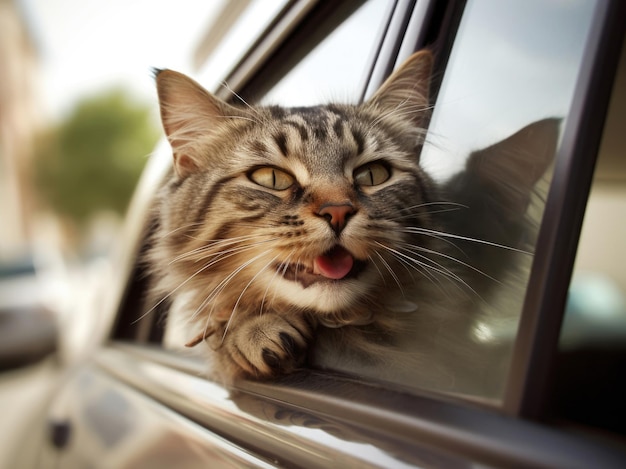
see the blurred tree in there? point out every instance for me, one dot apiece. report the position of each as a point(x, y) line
point(92, 161)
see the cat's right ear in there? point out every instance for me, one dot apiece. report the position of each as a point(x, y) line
point(190, 115)
point(406, 92)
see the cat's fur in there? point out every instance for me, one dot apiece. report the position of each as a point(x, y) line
point(284, 228)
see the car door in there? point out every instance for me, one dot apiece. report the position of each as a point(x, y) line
point(139, 401)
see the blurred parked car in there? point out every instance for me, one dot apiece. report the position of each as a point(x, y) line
point(28, 328)
point(134, 401)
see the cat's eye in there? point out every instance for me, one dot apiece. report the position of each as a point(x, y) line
point(272, 178)
point(371, 174)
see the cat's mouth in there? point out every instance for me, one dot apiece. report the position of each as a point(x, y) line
point(334, 265)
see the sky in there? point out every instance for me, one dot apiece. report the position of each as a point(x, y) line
point(88, 46)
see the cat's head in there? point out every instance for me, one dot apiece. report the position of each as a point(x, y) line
point(308, 206)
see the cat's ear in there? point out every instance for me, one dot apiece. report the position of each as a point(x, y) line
point(406, 92)
point(514, 165)
point(189, 114)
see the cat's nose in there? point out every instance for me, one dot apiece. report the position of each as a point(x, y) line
point(337, 215)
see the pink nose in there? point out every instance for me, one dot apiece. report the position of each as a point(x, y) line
point(337, 215)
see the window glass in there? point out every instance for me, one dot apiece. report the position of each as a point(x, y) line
point(335, 70)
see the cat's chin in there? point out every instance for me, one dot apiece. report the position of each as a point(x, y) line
point(324, 296)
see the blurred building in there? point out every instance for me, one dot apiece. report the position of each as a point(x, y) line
point(18, 123)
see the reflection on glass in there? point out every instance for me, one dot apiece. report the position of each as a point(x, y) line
point(508, 86)
point(513, 63)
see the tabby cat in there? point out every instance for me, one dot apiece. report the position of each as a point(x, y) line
point(287, 231)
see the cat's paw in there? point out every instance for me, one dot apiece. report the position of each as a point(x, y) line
point(269, 345)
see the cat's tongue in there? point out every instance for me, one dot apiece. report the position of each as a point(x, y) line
point(335, 264)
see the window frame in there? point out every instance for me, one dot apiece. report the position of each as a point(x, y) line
point(528, 387)
point(447, 424)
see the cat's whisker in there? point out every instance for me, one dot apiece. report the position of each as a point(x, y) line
point(439, 238)
point(220, 256)
point(217, 290)
point(406, 265)
point(390, 270)
point(232, 314)
point(430, 212)
point(261, 121)
point(404, 258)
point(180, 228)
point(427, 267)
point(171, 292)
point(282, 266)
point(196, 273)
point(412, 248)
point(456, 206)
point(189, 278)
point(423, 269)
point(431, 266)
point(201, 251)
point(434, 233)
point(221, 240)
point(371, 259)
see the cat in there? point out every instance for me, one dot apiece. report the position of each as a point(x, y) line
point(312, 235)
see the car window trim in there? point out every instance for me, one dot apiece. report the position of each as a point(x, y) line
point(389, 47)
point(417, 426)
point(528, 386)
point(273, 37)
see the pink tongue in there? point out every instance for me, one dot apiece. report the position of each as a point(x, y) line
point(335, 264)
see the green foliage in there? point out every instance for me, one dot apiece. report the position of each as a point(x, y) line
point(93, 160)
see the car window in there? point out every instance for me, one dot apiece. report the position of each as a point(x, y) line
point(506, 92)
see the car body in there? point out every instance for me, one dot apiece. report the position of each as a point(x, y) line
point(129, 400)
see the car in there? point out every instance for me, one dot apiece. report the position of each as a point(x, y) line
point(554, 396)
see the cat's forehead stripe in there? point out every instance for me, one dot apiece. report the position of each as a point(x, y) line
point(280, 138)
point(338, 127)
point(259, 147)
point(359, 138)
point(302, 130)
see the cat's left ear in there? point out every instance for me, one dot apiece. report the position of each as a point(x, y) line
point(190, 115)
point(406, 92)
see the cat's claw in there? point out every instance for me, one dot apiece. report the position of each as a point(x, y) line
point(269, 345)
